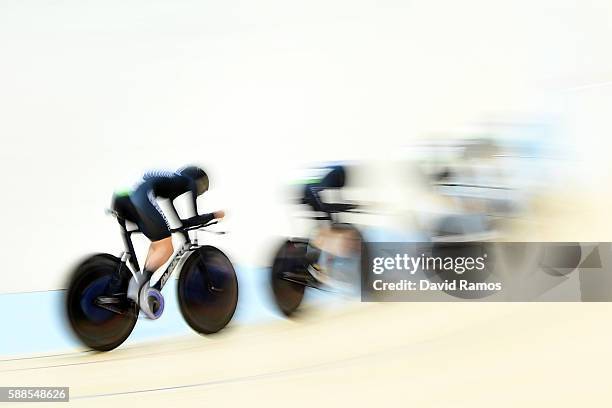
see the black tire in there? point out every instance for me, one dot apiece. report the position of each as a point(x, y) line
point(207, 290)
point(289, 258)
point(96, 327)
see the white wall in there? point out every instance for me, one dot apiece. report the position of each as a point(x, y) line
point(93, 93)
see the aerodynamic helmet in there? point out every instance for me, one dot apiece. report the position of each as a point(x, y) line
point(198, 175)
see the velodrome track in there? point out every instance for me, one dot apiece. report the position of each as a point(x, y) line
point(392, 354)
point(336, 353)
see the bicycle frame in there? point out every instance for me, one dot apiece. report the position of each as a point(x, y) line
point(129, 259)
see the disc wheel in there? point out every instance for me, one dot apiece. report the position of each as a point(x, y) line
point(290, 258)
point(96, 327)
point(207, 290)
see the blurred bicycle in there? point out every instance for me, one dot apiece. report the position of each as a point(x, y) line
point(331, 259)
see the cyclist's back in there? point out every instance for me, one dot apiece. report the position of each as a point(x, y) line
point(139, 204)
point(167, 184)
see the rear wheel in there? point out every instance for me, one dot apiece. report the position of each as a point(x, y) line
point(207, 290)
point(289, 260)
point(95, 326)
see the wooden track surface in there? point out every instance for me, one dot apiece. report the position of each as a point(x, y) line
point(401, 354)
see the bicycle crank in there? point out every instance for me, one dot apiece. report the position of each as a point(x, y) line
point(151, 302)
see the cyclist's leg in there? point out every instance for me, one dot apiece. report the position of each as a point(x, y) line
point(154, 226)
point(318, 260)
point(159, 252)
point(122, 204)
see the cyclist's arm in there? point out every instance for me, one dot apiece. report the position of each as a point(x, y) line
point(194, 196)
point(195, 218)
point(327, 207)
point(319, 203)
point(199, 219)
point(314, 194)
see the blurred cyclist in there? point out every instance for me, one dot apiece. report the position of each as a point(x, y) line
point(330, 241)
point(139, 205)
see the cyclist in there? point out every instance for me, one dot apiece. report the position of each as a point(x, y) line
point(139, 205)
point(329, 242)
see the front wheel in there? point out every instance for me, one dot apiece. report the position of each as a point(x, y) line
point(95, 326)
point(207, 290)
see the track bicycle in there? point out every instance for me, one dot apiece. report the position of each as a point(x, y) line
point(292, 272)
point(207, 290)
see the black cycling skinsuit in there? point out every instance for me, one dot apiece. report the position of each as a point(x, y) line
point(334, 177)
point(140, 205)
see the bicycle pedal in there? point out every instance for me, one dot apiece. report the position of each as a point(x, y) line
point(318, 274)
point(108, 300)
point(295, 275)
point(111, 303)
point(303, 278)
